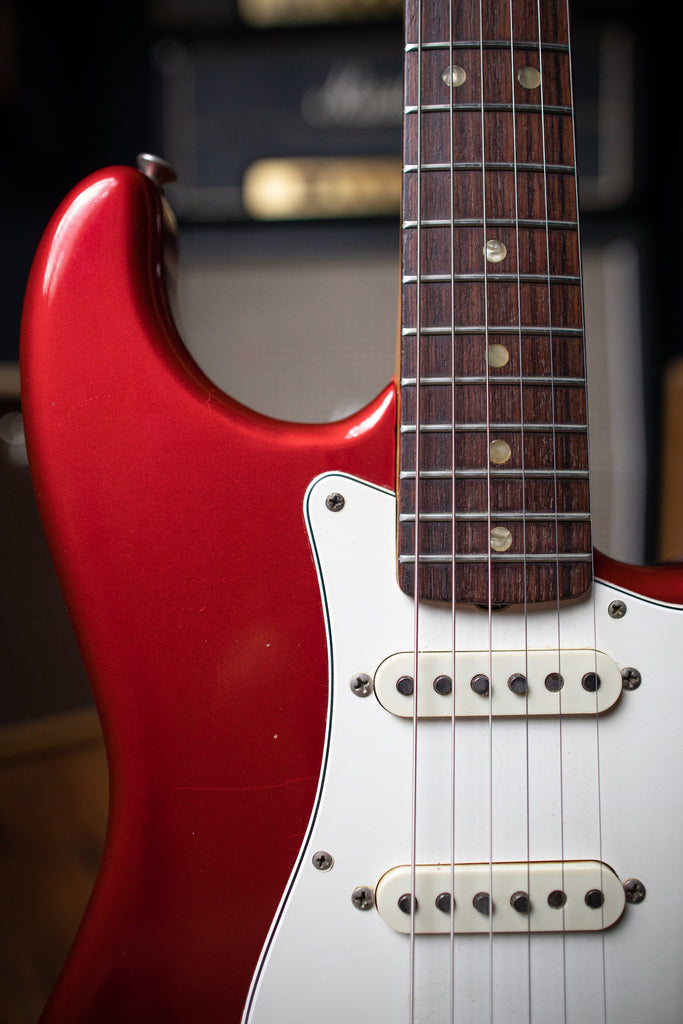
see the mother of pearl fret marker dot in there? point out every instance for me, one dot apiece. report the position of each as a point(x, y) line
point(529, 78)
point(499, 451)
point(501, 538)
point(454, 75)
point(495, 250)
point(498, 355)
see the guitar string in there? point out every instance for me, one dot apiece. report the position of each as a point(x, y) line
point(525, 625)
point(592, 563)
point(488, 504)
point(416, 564)
point(555, 501)
point(451, 127)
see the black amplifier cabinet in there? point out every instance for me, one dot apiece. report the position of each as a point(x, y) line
point(307, 99)
point(226, 103)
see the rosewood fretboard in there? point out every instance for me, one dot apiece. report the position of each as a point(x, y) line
point(492, 349)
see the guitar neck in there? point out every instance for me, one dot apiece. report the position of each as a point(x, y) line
point(492, 348)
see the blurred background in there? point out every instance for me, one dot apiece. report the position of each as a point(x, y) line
point(288, 297)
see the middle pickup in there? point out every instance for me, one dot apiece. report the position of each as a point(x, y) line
point(498, 683)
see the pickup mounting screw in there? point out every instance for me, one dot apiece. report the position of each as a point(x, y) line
point(630, 678)
point(322, 860)
point(634, 890)
point(335, 502)
point(363, 898)
point(616, 610)
point(361, 684)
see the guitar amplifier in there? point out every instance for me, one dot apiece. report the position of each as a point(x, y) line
point(324, 109)
point(305, 122)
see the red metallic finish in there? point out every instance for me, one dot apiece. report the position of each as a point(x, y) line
point(175, 519)
point(659, 583)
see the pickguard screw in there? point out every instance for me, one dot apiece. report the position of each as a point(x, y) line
point(594, 899)
point(361, 684)
point(520, 902)
point(482, 903)
point(630, 678)
point(616, 610)
point(363, 898)
point(634, 890)
point(322, 860)
point(443, 685)
point(335, 502)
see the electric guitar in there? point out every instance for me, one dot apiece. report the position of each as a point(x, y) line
point(387, 741)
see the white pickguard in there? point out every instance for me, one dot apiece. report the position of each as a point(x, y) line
point(541, 785)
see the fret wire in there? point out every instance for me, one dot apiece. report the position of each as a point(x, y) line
point(499, 222)
point(540, 381)
point(478, 474)
point(499, 165)
point(478, 428)
point(487, 44)
point(496, 558)
point(477, 278)
point(466, 517)
point(497, 329)
point(533, 108)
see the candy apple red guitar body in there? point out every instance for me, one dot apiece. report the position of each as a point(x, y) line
point(159, 494)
